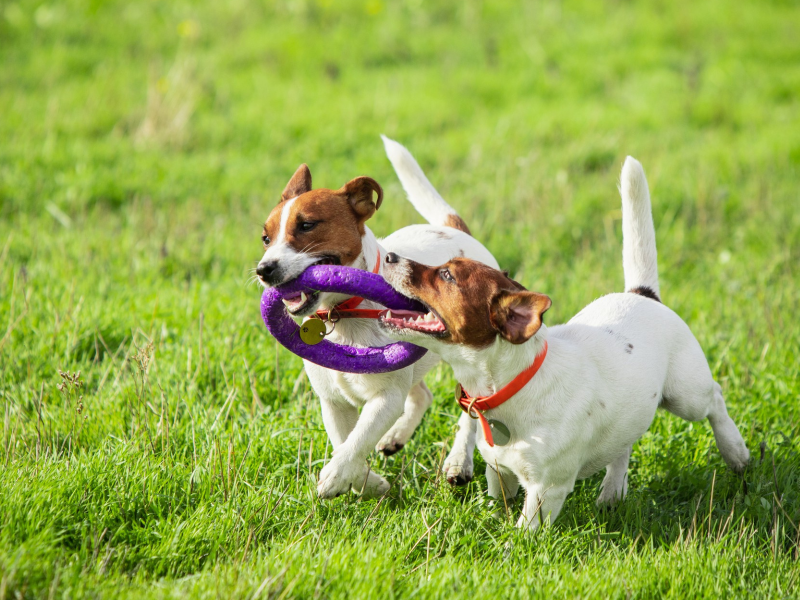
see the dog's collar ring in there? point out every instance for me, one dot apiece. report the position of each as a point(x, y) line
point(469, 410)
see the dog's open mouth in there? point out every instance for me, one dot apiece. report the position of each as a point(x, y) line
point(301, 302)
point(297, 303)
point(421, 322)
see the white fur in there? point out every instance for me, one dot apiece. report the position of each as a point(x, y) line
point(290, 260)
point(639, 256)
point(391, 404)
point(420, 192)
point(605, 374)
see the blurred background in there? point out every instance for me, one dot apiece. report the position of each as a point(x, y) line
point(143, 144)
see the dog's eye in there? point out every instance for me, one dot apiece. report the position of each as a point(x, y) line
point(446, 275)
point(307, 226)
point(265, 239)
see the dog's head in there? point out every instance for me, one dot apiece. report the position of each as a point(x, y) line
point(314, 227)
point(469, 304)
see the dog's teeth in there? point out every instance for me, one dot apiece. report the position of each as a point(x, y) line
point(388, 314)
point(286, 302)
point(430, 317)
point(418, 319)
point(303, 298)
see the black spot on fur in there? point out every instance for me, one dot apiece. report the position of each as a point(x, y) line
point(461, 253)
point(645, 291)
point(629, 348)
point(442, 235)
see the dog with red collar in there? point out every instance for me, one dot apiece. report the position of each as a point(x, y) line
point(559, 404)
point(321, 226)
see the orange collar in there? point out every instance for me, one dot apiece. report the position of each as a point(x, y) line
point(483, 403)
point(347, 309)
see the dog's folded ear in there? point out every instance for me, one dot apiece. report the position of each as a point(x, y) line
point(300, 183)
point(359, 194)
point(517, 316)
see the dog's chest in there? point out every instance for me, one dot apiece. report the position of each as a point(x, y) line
point(357, 389)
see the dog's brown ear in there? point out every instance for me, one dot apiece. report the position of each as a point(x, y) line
point(359, 194)
point(300, 183)
point(518, 315)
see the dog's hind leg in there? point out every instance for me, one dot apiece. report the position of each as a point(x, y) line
point(615, 484)
point(417, 402)
point(692, 394)
point(729, 440)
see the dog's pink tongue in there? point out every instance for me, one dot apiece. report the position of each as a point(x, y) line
point(294, 300)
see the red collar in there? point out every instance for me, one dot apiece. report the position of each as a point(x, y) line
point(483, 403)
point(347, 309)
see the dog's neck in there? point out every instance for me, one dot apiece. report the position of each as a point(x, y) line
point(360, 331)
point(483, 372)
point(370, 247)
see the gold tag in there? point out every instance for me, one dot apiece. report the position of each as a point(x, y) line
point(313, 331)
point(459, 392)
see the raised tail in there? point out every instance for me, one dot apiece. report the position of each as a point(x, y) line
point(639, 256)
point(421, 193)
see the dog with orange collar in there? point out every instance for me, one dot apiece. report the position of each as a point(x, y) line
point(559, 404)
point(321, 226)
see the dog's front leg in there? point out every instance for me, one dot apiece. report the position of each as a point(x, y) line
point(458, 466)
point(339, 417)
point(348, 467)
point(542, 504)
point(417, 402)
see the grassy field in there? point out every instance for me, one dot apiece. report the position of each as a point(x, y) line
point(143, 143)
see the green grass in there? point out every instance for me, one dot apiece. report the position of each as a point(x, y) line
point(143, 143)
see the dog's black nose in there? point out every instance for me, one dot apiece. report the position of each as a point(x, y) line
point(266, 269)
point(392, 258)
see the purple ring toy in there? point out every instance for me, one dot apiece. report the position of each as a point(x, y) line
point(344, 280)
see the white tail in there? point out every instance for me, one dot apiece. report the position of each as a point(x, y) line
point(639, 256)
point(421, 193)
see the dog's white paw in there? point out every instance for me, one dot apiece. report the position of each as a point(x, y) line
point(458, 468)
point(394, 440)
point(339, 477)
point(376, 486)
point(612, 494)
point(737, 457)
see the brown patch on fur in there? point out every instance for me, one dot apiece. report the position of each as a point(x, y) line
point(338, 215)
point(457, 222)
point(645, 291)
point(479, 303)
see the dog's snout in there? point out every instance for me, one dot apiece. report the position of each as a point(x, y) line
point(392, 258)
point(266, 269)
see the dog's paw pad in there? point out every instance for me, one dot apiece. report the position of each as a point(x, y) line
point(390, 449)
point(458, 475)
